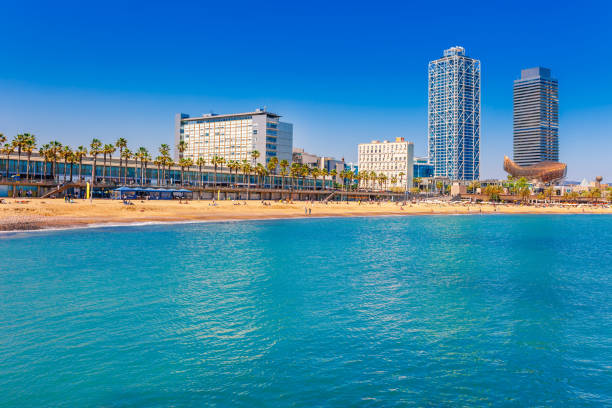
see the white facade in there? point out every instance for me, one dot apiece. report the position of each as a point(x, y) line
point(234, 137)
point(390, 159)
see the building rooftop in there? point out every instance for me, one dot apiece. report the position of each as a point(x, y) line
point(536, 72)
point(456, 50)
point(215, 115)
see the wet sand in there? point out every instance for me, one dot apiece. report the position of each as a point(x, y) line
point(32, 214)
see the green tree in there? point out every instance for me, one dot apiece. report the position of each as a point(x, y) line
point(55, 149)
point(121, 144)
point(95, 149)
point(272, 165)
point(254, 156)
point(20, 142)
point(66, 154)
point(217, 162)
point(127, 155)
point(7, 149)
point(181, 147)
point(493, 191)
point(108, 149)
point(284, 164)
point(29, 147)
point(201, 163)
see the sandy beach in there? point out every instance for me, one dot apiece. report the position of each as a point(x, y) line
point(56, 213)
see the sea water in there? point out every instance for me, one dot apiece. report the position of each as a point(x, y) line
point(391, 311)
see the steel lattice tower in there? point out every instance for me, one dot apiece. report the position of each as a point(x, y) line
point(454, 115)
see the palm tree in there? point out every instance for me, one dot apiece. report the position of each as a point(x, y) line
point(94, 150)
point(315, 175)
point(294, 174)
point(143, 155)
point(259, 168)
point(232, 165)
point(440, 186)
point(80, 152)
point(254, 156)
point(29, 149)
point(7, 149)
point(108, 149)
point(181, 147)
point(333, 175)
point(272, 165)
point(393, 180)
point(217, 161)
point(324, 174)
point(127, 155)
point(20, 142)
point(304, 171)
point(201, 163)
point(2, 138)
point(158, 162)
point(43, 152)
point(283, 173)
point(55, 152)
point(246, 169)
point(121, 144)
point(524, 193)
point(188, 164)
point(72, 160)
point(66, 153)
point(164, 150)
point(473, 186)
point(145, 158)
point(283, 165)
point(401, 176)
point(170, 163)
point(182, 164)
point(493, 191)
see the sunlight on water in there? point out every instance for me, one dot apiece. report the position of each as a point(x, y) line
point(394, 311)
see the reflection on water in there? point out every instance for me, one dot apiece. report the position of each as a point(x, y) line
point(381, 311)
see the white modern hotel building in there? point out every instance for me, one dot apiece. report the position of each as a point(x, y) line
point(390, 159)
point(234, 136)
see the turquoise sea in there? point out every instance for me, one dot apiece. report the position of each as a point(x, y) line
point(374, 312)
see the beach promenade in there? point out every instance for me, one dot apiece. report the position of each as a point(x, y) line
point(56, 213)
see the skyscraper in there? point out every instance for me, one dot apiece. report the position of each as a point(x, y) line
point(536, 117)
point(454, 115)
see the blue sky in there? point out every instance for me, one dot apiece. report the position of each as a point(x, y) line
point(342, 73)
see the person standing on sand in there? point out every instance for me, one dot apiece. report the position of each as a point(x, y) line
point(309, 211)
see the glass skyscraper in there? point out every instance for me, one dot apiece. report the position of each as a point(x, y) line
point(454, 115)
point(536, 117)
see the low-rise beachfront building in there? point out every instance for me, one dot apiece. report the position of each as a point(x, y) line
point(395, 160)
point(234, 137)
point(300, 156)
point(423, 168)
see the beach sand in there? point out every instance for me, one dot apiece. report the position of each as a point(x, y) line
point(55, 213)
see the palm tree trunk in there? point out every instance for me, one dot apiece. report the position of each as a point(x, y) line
point(93, 172)
point(80, 167)
point(71, 168)
point(28, 168)
point(18, 161)
point(104, 168)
